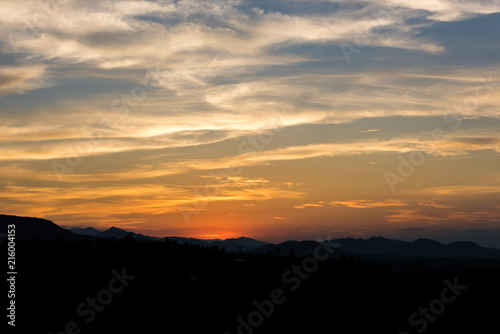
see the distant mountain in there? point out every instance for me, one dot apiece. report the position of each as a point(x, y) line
point(112, 232)
point(115, 232)
point(36, 228)
point(31, 228)
point(485, 238)
point(419, 247)
point(247, 242)
point(378, 246)
point(301, 248)
point(85, 231)
point(231, 244)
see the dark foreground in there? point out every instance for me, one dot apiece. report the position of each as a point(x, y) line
point(125, 286)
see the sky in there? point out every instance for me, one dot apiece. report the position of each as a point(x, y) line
point(275, 120)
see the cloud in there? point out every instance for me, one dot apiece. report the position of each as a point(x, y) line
point(309, 205)
point(462, 190)
point(443, 216)
point(199, 43)
point(83, 201)
point(451, 10)
point(118, 34)
point(461, 146)
point(155, 166)
point(238, 181)
point(57, 141)
point(433, 204)
point(414, 216)
point(439, 10)
point(20, 79)
point(367, 204)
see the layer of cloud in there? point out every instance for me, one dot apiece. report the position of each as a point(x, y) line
point(310, 205)
point(20, 79)
point(441, 217)
point(462, 190)
point(200, 42)
point(367, 204)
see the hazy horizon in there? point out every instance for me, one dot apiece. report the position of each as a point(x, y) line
point(445, 237)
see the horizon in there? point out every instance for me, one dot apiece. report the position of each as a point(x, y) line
point(278, 241)
point(284, 120)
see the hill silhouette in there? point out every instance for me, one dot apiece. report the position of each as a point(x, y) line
point(85, 231)
point(375, 246)
point(29, 227)
point(37, 228)
point(419, 247)
point(378, 246)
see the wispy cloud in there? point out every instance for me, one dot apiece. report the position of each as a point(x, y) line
point(368, 204)
point(434, 204)
point(20, 79)
point(443, 217)
point(462, 190)
point(309, 205)
point(137, 34)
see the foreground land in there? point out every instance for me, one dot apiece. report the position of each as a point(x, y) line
point(127, 286)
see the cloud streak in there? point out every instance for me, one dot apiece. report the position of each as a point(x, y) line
point(367, 204)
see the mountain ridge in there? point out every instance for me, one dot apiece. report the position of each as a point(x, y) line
point(38, 228)
point(84, 231)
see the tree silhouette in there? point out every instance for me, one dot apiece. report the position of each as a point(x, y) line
point(128, 239)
